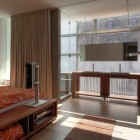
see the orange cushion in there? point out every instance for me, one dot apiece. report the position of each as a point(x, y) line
point(12, 132)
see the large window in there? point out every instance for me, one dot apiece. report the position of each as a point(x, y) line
point(68, 52)
point(107, 38)
point(109, 30)
point(95, 31)
point(109, 23)
point(5, 31)
point(85, 26)
point(118, 22)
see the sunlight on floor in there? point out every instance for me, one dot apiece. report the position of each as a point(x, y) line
point(71, 112)
point(122, 130)
point(58, 118)
point(59, 105)
point(70, 122)
point(126, 130)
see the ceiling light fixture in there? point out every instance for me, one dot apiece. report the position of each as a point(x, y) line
point(76, 3)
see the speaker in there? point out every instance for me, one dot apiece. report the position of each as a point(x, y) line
point(28, 75)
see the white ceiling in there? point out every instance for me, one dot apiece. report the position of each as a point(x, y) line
point(102, 9)
point(93, 9)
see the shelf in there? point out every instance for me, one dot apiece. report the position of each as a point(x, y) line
point(43, 113)
point(42, 116)
point(88, 93)
point(123, 97)
point(42, 120)
point(25, 116)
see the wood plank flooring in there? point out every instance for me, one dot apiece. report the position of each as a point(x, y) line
point(70, 112)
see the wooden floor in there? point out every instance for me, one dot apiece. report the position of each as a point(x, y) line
point(72, 110)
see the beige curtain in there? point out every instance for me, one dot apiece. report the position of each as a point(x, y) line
point(30, 42)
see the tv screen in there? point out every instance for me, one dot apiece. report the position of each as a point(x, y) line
point(28, 75)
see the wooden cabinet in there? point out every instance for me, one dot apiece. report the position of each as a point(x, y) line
point(31, 119)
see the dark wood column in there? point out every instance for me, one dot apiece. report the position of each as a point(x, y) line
point(55, 49)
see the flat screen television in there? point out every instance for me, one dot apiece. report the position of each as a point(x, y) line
point(28, 75)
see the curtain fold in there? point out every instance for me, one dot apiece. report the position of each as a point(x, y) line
point(31, 42)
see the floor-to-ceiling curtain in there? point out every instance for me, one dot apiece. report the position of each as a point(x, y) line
point(31, 42)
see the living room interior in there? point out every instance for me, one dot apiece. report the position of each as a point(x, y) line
point(56, 31)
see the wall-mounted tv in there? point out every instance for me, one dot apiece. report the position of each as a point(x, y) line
point(28, 75)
